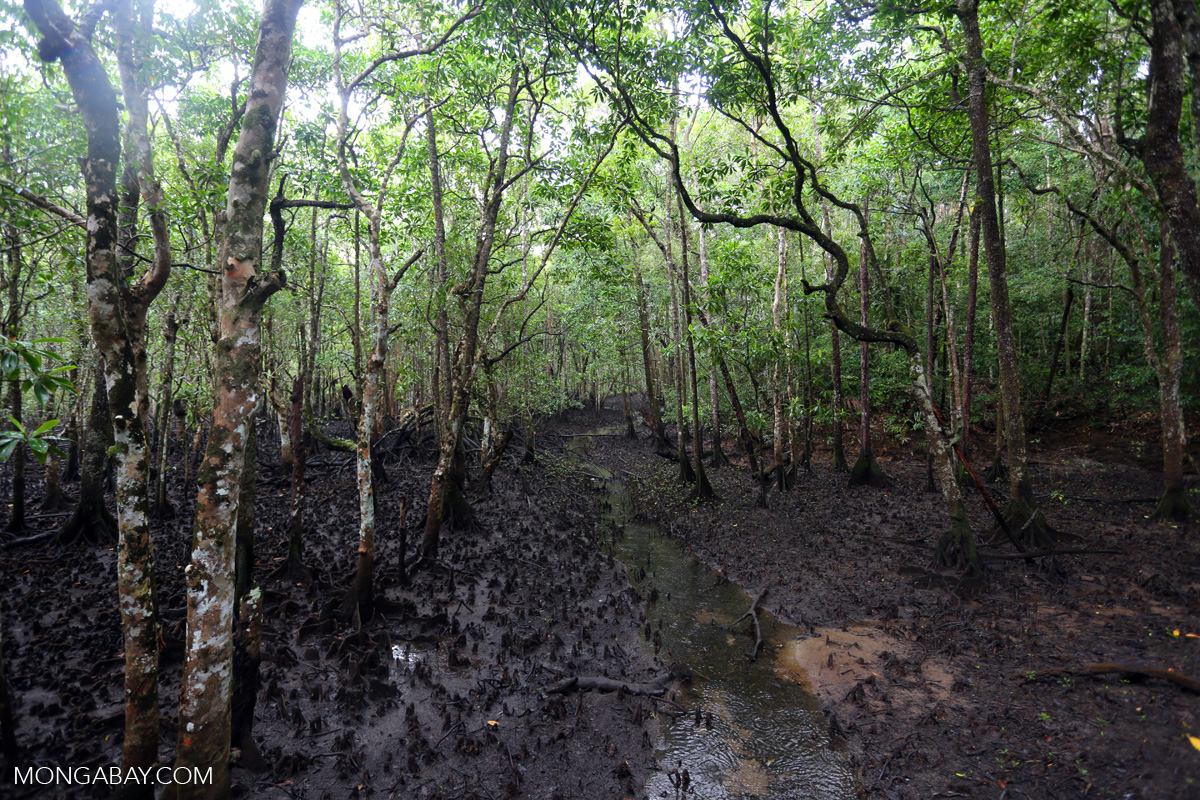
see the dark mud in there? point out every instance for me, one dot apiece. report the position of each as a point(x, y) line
point(441, 695)
point(940, 689)
point(932, 689)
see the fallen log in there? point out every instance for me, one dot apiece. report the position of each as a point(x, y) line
point(1106, 667)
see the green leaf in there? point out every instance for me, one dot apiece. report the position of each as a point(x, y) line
point(16, 424)
point(6, 449)
point(45, 427)
point(33, 359)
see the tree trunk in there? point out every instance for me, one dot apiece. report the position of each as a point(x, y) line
point(1174, 504)
point(719, 459)
point(295, 558)
point(117, 313)
point(91, 520)
point(1022, 512)
point(866, 471)
point(1160, 149)
point(445, 484)
point(162, 505)
point(704, 490)
point(969, 335)
point(16, 520)
point(1058, 345)
point(652, 398)
point(778, 395)
point(204, 705)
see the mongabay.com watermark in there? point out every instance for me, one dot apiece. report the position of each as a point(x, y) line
point(111, 775)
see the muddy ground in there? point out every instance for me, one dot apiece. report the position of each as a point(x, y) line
point(934, 690)
point(946, 691)
point(441, 695)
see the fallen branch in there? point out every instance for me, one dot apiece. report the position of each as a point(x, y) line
point(1106, 667)
point(753, 614)
point(584, 683)
point(1067, 551)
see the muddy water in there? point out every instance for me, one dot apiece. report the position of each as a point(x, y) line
point(761, 733)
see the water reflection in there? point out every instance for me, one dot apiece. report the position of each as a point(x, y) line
point(759, 733)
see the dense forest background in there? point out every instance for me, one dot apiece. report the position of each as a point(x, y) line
point(419, 230)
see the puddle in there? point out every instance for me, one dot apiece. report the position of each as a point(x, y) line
point(761, 733)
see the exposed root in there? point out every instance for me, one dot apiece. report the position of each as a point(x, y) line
point(93, 524)
point(867, 472)
point(1173, 506)
point(1027, 522)
point(956, 546)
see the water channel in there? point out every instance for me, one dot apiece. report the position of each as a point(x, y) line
point(761, 733)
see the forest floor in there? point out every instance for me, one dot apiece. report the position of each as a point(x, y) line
point(441, 695)
point(945, 691)
point(936, 690)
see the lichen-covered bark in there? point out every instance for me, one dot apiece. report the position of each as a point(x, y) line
point(362, 592)
point(204, 703)
point(117, 312)
point(956, 546)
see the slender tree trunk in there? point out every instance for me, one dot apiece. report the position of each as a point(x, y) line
point(866, 469)
point(1085, 331)
point(445, 484)
point(969, 335)
point(652, 397)
point(1058, 345)
point(12, 329)
point(719, 459)
point(1160, 149)
point(704, 490)
point(162, 505)
point(16, 520)
point(779, 398)
point(686, 473)
point(204, 705)
point(1022, 513)
point(295, 558)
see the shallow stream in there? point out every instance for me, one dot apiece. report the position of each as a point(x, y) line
point(761, 733)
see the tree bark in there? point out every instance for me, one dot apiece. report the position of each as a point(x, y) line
point(703, 490)
point(204, 705)
point(117, 311)
point(445, 483)
point(778, 393)
point(1160, 149)
point(652, 397)
point(162, 505)
point(1022, 505)
point(295, 557)
point(866, 471)
point(719, 459)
